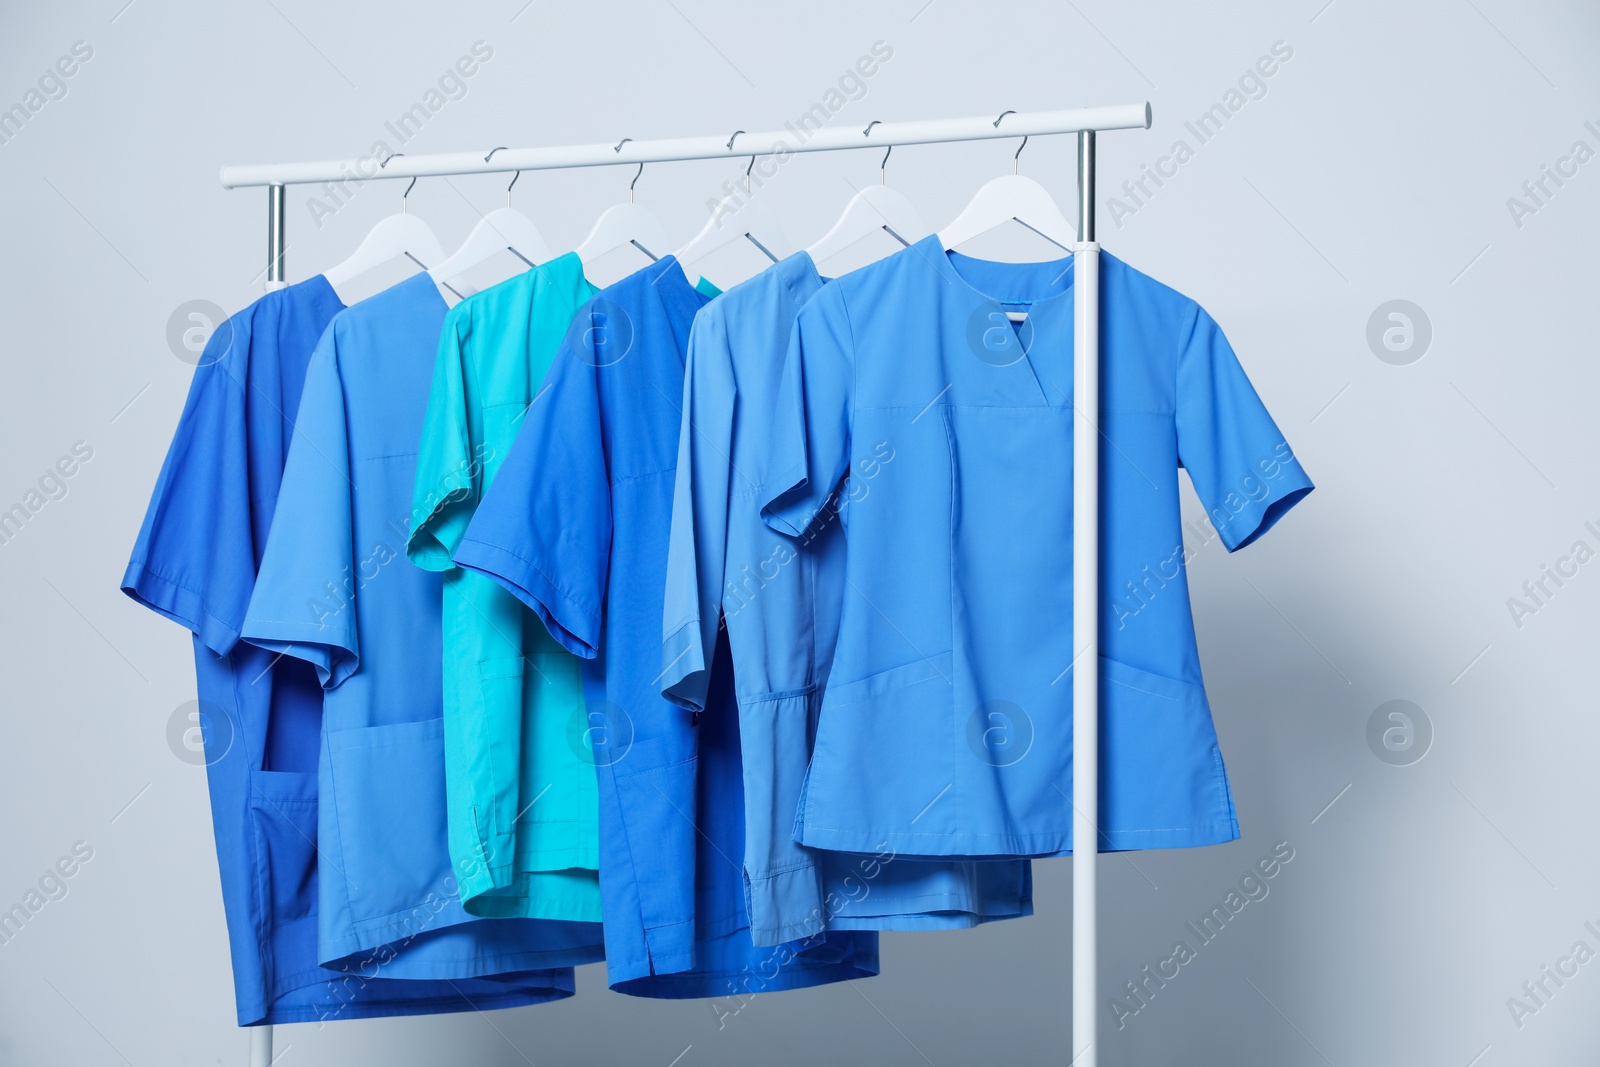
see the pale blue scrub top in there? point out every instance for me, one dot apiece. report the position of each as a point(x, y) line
point(260, 715)
point(336, 590)
point(946, 725)
point(780, 602)
point(576, 525)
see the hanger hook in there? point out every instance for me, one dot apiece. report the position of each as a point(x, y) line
point(634, 182)
point(884, 162)
point(404, 195)
point(514, 177)
point(1020, 147)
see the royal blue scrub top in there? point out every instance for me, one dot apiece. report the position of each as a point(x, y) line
point(946, 725)
point(260, 715)
point(780, 604)
point(576, 525)
point(336, 591)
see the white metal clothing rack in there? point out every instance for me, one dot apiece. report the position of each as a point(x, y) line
point(1085, 122)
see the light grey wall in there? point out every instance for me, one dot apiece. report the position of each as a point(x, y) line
point(1376, 165)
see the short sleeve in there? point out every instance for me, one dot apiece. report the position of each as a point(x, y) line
point(543, 528)
point(303, 605)
point(808, 445)
point(195, 558)
point(447, 479)
point(1242, 468)
point(697, 552)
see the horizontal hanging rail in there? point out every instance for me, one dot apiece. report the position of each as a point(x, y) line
point(792, 138)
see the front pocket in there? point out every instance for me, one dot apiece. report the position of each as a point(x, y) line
point(1161, 765)
point(885, 753)
point(283, 827)
point(388, 792)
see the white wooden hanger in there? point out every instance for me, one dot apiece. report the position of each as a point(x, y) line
point(621, 225)
point(505, 229)
point(748, 217)
point(1011, 198)
point(875, 208)
point(401, 234)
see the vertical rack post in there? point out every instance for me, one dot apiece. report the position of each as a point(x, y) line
point(1085, 616)
point(261, 1045)
point(275, 233)
point(261, 1036)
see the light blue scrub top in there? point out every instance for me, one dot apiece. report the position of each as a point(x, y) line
point(946, 725)
point(336, 590)
point(576, 525)
point(260, 715)
point(780, 603)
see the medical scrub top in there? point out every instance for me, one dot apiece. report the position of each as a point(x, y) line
point(780, 604)
point(523, 809)
point(260, 716)
point(336, 591)
point(946, 727)
point(576, 525)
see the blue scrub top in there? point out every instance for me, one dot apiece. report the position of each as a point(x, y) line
point(946, 726)
point(576, 525)
point(195, 562)
point(780, 603)
point(336, 591)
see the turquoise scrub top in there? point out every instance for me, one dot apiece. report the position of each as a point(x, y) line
point(523, 807)
point(260, 714)
point(336, 591)
point(576, 525)
point(780, 604)
point(946, 727)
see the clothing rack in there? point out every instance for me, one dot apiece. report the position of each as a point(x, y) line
point(1085, 122)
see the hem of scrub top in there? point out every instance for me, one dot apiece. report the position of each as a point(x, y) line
point(472, 961)
point(959, 917)
point(184, 606)
point(939, 912)
point(551, 860)
point(684, 677)
point(536, 987)
point(575, 626)
point(526, 907)
point(1016, 846)
point(795, 974)
point(569, 897)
